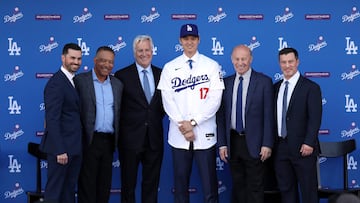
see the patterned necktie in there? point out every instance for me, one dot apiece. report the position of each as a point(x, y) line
point(146, 86)
point(283, 132)
point(190, 63)
point(239, 120)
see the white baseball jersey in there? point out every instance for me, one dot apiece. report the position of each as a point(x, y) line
point(192, 94)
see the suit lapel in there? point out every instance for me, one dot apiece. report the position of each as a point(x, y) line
point(90, 84)
point(295, 92)
point(251, 89)
point(229, 94)
point(134, 76)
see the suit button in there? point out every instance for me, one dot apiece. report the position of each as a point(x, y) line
point(146, 123)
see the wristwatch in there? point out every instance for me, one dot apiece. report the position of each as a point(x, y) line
point(193, 122)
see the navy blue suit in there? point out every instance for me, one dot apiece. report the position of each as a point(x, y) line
point(303, 119)
point(62, 135)
point(244, 153)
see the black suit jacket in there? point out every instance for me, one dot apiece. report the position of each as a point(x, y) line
point(85, 85)
point(303, 117)
point(139, 119)
point(62, 117)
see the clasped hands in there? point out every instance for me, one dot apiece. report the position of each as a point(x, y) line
point(186, 130)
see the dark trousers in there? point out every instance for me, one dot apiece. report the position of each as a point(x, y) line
point(96, 170)
point(206, 163)
point(151, 161)
point(62, 179)
point(247, 173)
point(293, 171)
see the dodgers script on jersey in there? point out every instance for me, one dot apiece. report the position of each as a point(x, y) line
point(192, 93)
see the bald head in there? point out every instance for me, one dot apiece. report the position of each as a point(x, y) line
point(241, 58)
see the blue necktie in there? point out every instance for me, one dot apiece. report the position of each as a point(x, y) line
point(146, 86)
point(191, 145)
point(239, 120)
point(284, 109)
point(190, 63)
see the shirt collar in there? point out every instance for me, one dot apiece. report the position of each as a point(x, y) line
point(96, 79)
point(140, 68)
point(195, 58)
point(246, 75)
point(294, 78)
point(68, 74)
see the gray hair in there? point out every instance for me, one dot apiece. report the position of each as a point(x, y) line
point(141, 38)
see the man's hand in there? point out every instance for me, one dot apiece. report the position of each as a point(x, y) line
point(185, 127)
point(223, 152)
point(306, 150)
point(62, 159)
point(265, 153)
point(189, 136)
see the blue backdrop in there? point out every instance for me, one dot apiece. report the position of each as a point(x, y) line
point(32, 34)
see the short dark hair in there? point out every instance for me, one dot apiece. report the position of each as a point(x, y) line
point(105, 48)
point(288, 50)
point(70, 46)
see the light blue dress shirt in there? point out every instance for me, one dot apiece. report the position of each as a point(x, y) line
point(104, 105)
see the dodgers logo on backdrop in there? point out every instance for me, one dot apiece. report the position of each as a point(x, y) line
point(52, 44)
point(351, 48)
point(42, 106)
point(152, 16)
point(352, 74)
point(216, 18)
point(219, 164)
point(323, 101)
point(14, 107)
point(18, 190)
point(254, 43)
point(13, 47)
point(119, 45)
point(155, 50)
point(350, 104)
point(352, 163)
point(14, 76)
point(353, 16)
point(351, 132)
point(282, 43)
point(82, 18)
point(278, 76)
point(179, 48)
point(14, 165)
point(217, 48)
point(15, 134)
point(43, 164)
point(84, 49)
point(14, 17)
point(321, 43)
point(284, 17)
point(116, 164)
point(221, 187)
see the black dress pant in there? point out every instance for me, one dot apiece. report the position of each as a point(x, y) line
point(96, 170)
point(247, 173)
point(151, 161)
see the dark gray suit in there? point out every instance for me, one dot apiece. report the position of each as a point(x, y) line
point(96, 170)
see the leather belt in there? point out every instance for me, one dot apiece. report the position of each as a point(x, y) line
point(281, 139)
point(236, 133)
point(103, 135)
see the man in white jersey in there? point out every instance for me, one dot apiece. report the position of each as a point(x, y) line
point(191, 86)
